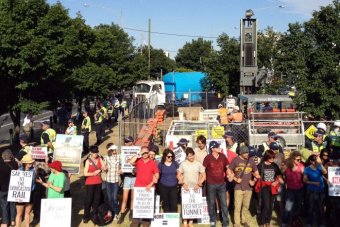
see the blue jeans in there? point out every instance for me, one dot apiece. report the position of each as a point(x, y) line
point(8, 210)
point(315, 202)
point(293, 204)
point(220, 191)
point(112, 191)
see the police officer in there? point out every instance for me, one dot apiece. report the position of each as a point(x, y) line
point(335, 137)
point(47, 138)
point(272, 137)
point(85, 131)
point(99, 120)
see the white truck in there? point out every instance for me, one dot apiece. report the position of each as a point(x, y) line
point(152, 91)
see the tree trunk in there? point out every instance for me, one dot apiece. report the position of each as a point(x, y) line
point(15, 116)
point(80, 102)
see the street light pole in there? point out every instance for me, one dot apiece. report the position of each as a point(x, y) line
point(149, 49)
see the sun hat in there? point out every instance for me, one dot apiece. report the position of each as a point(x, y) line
point(27, 159)
point(56, 165)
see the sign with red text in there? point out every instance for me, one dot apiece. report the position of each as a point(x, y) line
point(38, 152)
point(205, 213)
point(334, 181)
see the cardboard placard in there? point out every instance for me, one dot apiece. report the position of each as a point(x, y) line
point(202, 132)
point(143, 202)
point(165, 219)
point(38, 152)
point(67, 150)
point(205, 213)
point(127, 152)
point(179, 155)
point(20, 186)
point(192, 203)
point(217, 132)
point(56, 212)
point(334, 181)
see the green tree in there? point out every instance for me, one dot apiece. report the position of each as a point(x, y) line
point(194, 55)
point(267, 47)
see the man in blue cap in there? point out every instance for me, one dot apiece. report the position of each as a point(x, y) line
point(215, 165)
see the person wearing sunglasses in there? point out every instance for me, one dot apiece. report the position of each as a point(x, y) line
point(294, 188)
point(168, 169)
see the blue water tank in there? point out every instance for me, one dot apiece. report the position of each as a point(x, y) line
point(182, 83)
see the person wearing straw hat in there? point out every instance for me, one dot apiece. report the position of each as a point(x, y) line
point(56, 181)
point(24, 209)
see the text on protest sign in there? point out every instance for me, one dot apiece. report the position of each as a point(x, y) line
point(179, 155)
point(217, 132)
point(127, 152)
point(192, 203)
point(165, 219)
point(38, 152)
point(205, 214)
point(221, 142)
point(143, 202)
point(20, 186)
point(56, 212)
point(334, 181)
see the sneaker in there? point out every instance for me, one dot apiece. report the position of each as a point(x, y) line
point(116, 217)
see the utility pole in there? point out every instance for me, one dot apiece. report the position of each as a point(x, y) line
point(149, 48)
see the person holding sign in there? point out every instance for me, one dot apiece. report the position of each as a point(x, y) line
point(93, 183)
point(147, 175)
point(168, 181)
point(26, 208)
point(191, 174)
point(215, 165)
point(56, 181)
point(7, 164)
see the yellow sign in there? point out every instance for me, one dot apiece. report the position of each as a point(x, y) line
point(310, 132)
point(202, 132)
point(217, 132)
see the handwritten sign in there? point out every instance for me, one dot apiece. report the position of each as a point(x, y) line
point(179, 155)
point(38, 152)
point(20, 186)
point(192, 204)
point(56, 212)
point(67, 150)
point(217, 132)
point(165, 219)
point(205, 213)
point(143, 202)
point(127, 152)
point(223, 145)
point(334, 181)
point(202, 132)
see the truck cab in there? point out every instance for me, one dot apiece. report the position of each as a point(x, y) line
point(152, 91)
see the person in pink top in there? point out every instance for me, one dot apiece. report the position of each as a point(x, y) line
point(294, 184)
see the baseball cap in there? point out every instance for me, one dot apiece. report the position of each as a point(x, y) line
point(112, 147)
point(273, 134)
point(128, 139)
point(45, 123)
point(228, 134)
point(252, 151)
point(214, 144)
point(244, 149)
point(319, 133)
point(56, 165)
point(273, 146)
point(183, 141)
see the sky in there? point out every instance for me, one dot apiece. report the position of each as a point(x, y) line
point(189, 19)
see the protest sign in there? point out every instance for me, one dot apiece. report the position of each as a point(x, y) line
point(127, 152)
point(192, 203)
point(334, 181)
point(205, 213)
point(165, 219)
point(223, 145)
point(20, 186)
point(56, 212)
point(179, 155)
point(67, 150)
point(38, 152)
point(202, 132)
point(157, 204)
point(217, 132)
point(143, 202)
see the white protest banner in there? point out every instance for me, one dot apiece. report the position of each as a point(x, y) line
point(38, 152)
point(126, 153)
point(20, 186)
point(179, 155)
point(205, 214)
point(192, 203)
point(143, 202)
point(56, 212)
point(165, 219)
point(334, 181)
point(223, 145)
point(68, 149)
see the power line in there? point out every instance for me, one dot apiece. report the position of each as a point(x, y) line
point(172, 34)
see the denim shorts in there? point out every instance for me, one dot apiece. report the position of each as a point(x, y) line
point(129, 182)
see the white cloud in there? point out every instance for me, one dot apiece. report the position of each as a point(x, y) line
point(304, 8)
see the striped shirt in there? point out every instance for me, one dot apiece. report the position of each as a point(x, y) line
point(113, 165)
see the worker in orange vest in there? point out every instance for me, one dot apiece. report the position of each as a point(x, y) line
point(236, 115)
point(222, 115)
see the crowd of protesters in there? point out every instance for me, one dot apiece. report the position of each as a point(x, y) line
point(242, 181)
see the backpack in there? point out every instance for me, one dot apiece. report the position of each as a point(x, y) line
point(104, 216)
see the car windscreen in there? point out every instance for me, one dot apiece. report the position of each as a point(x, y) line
point(142, 88)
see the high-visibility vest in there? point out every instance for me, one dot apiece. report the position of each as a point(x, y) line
point(317, 148)
point(51, 135)
point(86, 124)
point(74, 130)
point(335, 138)
point(123, 104)
point(237, 117)
point(104, 111)
point(223, 113)
point(265, 147)
point(116, 104)
point(110, 110)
